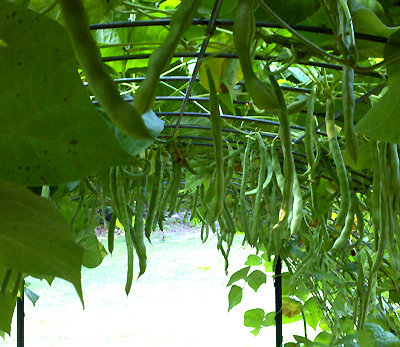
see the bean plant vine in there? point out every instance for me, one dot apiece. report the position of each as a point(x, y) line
point(289, 139)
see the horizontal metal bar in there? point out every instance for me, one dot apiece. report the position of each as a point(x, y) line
point(228, 23)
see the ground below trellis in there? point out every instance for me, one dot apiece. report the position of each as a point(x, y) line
point(180, 301)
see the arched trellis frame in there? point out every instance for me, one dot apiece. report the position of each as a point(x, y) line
point(237, 127)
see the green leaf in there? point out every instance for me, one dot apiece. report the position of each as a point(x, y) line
point(32, 296)
point(394, 296)
point(254, 318)
point(7, 306)
point(135, 146)
point(94, 251)
point(374, 335)
point(238, 275)
point(256, 279)
point(324, 338)
point(312, 312)
point(253, 260)
point(235, 296)
point(364, 157)
point(382, 122)
point(51, 132)
point(269, 319)
point(35, 238)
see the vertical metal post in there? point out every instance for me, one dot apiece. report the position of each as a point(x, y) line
point(278, 302)
point(20, 318)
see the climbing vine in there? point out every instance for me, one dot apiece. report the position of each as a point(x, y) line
point(274, 120)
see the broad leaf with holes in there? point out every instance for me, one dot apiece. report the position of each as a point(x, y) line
point(48, 121)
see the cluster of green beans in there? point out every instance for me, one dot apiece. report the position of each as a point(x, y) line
point(345, 40)
point(128, 189)
point(385, 221)
point(128, 118)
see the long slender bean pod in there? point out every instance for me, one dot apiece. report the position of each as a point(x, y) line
point(137, 230)
point(126, 117)
point(161, 57)
point(297, 214)
point(119, 207)
point(256, 222)
point(348, 112)
point(384, 227)
point(243, 36)
point(289, 170)
point(175, 188)
point(216, 129)
point(157, 181)
point(111, 232)
point(244, 217)
point(309, 131)
point(339, 163)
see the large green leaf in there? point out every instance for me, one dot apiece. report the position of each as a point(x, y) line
point(382, 122)
point(35, 238)
point(235, 296)
point(238, 275)
point(51, 132)
point(256, 279)
point(7, 306)
point(374, 335)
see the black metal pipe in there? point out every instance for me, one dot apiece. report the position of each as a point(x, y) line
point(20, 319)
point(228, 23)
point(278, 302)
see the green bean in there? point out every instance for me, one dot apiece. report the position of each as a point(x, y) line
point(167, 194)
point(137, 230)
point(276, 168)
point(216, 129)
point(256, 221)
point(344, 236)
point(243, 36)
point(111, 232)
point(309, 132)
point(144, 172)
point(360, 221)
point(126, 222)
point(244, 217)
point(348, 112)
point(161, 57)
point(229, 221)
point(395, 169)
point(126, 117)
point(384, 225)
point(229, 169)
point(288, 161)
point(194, 203)
point(297, 214)
point(348, 47)
point(204, 222)
point(157, 181)
point(175, 187)
point(269, 176)
point(338, 160)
